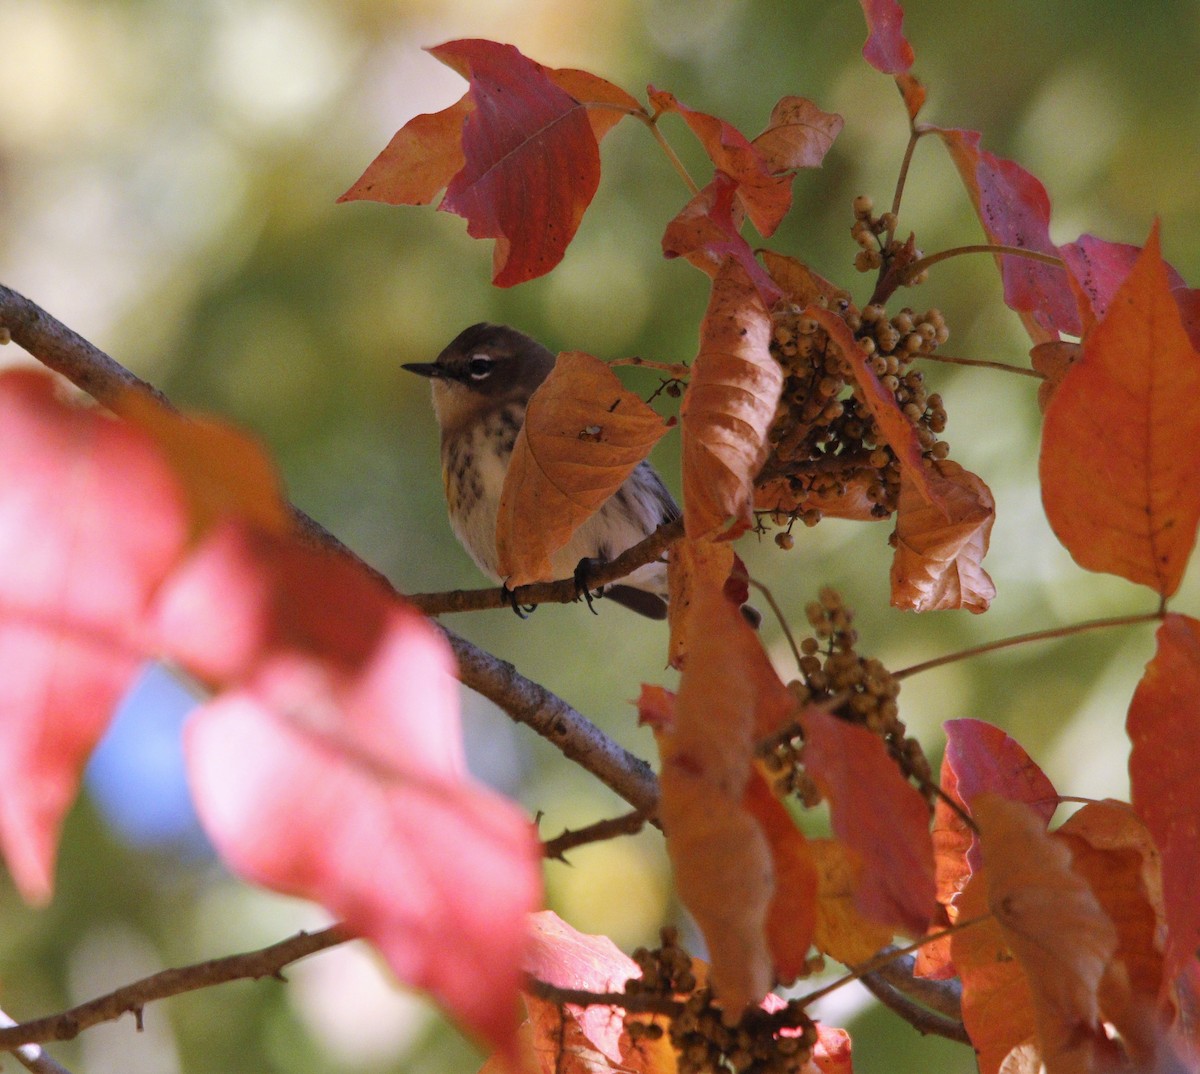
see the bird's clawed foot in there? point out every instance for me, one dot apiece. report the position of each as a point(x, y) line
point(583, 573)
point(523, 611)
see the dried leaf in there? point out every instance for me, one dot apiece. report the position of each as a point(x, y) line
point(799, 284)
point(1119, 455)
point(584, 434)
point(886, 49)
point(1015, 211)
point(766, 196)
point(878, 814)
point(532, 160)
point(729, 697)
point(939, 555)
point(692, 565)
point(1055, 926)
point(897, 430)
point(1164, 732)
point(798, 135)
point(728, 409)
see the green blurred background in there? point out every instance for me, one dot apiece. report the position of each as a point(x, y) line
point(168, 170)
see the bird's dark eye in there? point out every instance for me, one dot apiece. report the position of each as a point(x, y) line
point(480, 366)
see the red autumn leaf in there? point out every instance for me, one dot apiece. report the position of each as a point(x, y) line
point(706, 234)
point(878, 814)
point(831, 1053)
point(997, 1002)
point(1119, 454)
point(896, 429)
point(91, 521)
point(609, 104)
point(1164, 730)
point(729, 698)
point(939, 555)
point(1188, 301)
point(420, 160)
point(798, 135)
point(331, 767)
point(532, 161)
point(583, 435)
point(886, 49)
point(728, 408)
point(1054, 925)
point(766, 195)
point(1015, 211)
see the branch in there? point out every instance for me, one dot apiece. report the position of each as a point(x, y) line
point(560, 592)
point(626, 824)
point(106, 380)
point(32, 1056)
point(131, 998)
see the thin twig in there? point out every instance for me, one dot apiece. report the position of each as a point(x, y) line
point(980, 363)
point(131, 998)
point(914, 137)
point(1022, 639)
point(672, 156)
point(782, 619)
point(635, 1003)
point(922, 263)
point(627, 824)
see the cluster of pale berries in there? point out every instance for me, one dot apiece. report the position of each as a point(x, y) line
point(824, 442)
point(702, 1039)
point(866, 694)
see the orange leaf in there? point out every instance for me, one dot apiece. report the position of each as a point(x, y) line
point(583, 435)
point(767, 197)
point(223, 470)
point(800, 285)
point(913, 92)
point(1164, 730)
point(728, 408)
point(939, 556)
point(841, 931)
point(1053, 923)
point(1052, 360)
point(792, 914)
point(895, 428)
point(421, 159)
point(590, 89)
point(878, 814)
point(798, 135)
point(92, 520)
point(1119, 453)
point(692, 565)
point(729, 697)
point(997, 1002)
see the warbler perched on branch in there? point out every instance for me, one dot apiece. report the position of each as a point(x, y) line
point(481, 384)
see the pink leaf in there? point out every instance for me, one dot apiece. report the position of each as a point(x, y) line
point(1014, 210)
point(886, 49)
point(331, 768)
point(91, 521)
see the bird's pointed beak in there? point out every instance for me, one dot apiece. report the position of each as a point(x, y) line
point(426, 369)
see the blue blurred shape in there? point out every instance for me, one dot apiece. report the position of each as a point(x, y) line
point(137, 775)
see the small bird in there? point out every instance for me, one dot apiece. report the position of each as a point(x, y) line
point(481, 384)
